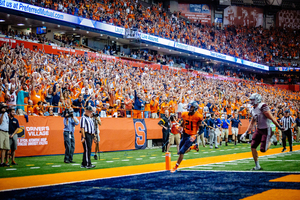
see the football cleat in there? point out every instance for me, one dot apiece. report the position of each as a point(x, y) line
point(174, 169)
point(256, 168)
point(197, 147)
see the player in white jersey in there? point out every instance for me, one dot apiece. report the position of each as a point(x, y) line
point(262, 116)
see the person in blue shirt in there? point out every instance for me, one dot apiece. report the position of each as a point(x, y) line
point(69, 127)
point(225, 125)
point(235, 122)
point(137, 106)
point(210, 106)
point(212, 125)
point(78, 105)
point(218, 129)
point(298, 127)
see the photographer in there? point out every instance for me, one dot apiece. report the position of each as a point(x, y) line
point(4, 136)
point(69, 127)
point(97, 121)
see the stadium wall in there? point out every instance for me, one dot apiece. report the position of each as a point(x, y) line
point(44, 135)
point(294, 88)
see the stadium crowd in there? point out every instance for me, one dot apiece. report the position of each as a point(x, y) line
point(250, 43)
point(43, 84)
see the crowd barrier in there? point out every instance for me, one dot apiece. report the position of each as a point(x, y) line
point(44, 135)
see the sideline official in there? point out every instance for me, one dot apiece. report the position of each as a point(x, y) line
point(69, 127)
point(87, 130)
point(287, 124)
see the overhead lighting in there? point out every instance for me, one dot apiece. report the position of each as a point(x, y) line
point(2, 20)
point(158, 47)
point(101, 35)
point(196, 56)
point(146, 45)
point(180, 52)
point(8, 15)
point(58, 26)
point(77, 35)
point(20, 24)
point(26, 18)
point(43, 22)
point(87, 32)
point(117, 38)
point(74, 29)
point(169, 49)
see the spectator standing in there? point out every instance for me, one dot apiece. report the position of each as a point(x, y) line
point(212, 125)
point(225, 125)
point(97, 123)
point(128, 105)
point(235, 122)
point(4, 135)
point(154, 107)
point(13, 137)
point(22, 94)
point(138, 102)
point(69, 127)
point(78, 106)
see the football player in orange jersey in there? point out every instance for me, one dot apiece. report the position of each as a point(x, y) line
point(190, 123)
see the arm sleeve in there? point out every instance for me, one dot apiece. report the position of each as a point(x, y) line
point(82, 124)
point(161, 122)
point(265, 108)
point(76, 121)
point(18, 126)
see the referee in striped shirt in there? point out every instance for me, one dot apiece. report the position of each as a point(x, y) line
point(288, 124)
point(87, 130)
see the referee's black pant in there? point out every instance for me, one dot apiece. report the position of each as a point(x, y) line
point(87, 146)
point(288, 133)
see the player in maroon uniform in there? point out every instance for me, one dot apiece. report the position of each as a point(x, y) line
point(261, 115)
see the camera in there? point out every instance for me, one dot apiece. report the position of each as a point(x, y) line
point(67, 113)
point(95, 115)
point(3, 106)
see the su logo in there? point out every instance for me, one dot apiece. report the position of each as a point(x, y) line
point(140, 134)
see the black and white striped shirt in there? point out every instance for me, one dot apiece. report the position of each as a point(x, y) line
point(287, 122)
point(88, 124)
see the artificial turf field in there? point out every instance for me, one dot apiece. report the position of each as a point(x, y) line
point(210, 173)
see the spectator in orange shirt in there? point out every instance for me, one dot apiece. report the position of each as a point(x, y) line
point(154, 107)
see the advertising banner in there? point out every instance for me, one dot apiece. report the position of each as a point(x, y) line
point(44, 135)
point(270, 21)
point(52, 14)
point(196, 12)
point(288, 19)
point(244, 16)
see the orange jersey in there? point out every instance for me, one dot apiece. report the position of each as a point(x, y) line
point(190, 122)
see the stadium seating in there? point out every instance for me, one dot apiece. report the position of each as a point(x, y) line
point(255, 44)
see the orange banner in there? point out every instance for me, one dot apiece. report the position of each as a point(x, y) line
point(44, 135)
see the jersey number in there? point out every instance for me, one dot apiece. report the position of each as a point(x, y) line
point(188, 125)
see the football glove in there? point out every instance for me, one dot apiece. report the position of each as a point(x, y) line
point(243, 135)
